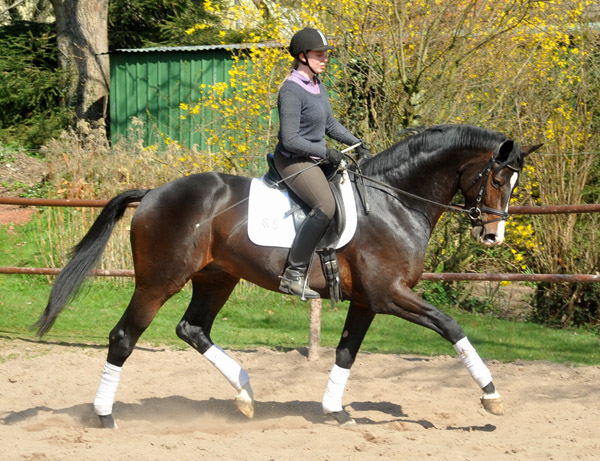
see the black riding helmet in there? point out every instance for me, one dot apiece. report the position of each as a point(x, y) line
point(306, 40)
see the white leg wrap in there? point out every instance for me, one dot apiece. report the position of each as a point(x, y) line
point(105, 396)
point(473, 362)
point(234, 373)
point(332, 399)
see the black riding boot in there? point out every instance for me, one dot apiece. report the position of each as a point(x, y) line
point(301, 253)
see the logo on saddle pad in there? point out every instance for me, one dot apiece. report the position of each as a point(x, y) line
point(270, 221)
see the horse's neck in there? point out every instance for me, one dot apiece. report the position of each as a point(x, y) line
point(433, 178)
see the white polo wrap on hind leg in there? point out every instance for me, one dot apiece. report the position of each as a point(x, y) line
point(480, 373)
point(332, 399)
point(234, 373)
point(107, 389)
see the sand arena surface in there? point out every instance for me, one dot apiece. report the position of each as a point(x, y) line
point(175, 405)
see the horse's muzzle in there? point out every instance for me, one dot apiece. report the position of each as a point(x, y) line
point(487, 236)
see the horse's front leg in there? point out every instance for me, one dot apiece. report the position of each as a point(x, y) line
point(409, 306)
point(358, 321)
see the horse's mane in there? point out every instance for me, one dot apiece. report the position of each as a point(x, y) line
point(421, 141)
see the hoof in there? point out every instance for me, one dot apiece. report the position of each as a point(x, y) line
point(342, 417)
point(492, 403)
point(107, 422)
point(245, 401)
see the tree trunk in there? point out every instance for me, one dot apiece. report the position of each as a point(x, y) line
point(82, 35)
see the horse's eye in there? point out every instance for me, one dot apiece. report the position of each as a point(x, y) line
point(497, 182)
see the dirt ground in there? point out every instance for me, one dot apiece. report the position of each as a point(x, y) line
point(11, 215)
point(16, 175)
point(18, 172)
point(174, 405)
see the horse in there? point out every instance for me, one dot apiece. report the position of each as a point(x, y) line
point(195, 229)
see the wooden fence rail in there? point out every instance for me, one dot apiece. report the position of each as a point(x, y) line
point(443, 276)
point(521, 209)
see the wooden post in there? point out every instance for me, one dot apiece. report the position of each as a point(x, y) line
point(314, 336)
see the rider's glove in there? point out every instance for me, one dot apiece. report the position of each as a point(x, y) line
point(334, 157)
point(362, 152)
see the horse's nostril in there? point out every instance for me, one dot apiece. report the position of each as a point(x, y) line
point(489, 238)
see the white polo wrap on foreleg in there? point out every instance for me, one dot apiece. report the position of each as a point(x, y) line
point(107, 389)
point(234, 373)
point(332, 399)
point(480, 373)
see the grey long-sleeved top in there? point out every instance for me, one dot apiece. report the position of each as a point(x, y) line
point(305, 118)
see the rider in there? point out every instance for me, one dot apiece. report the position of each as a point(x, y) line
point(305, 118)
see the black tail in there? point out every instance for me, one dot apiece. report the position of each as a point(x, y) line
point(86, 255)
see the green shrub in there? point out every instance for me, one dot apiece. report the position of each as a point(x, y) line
point(567, 305)
point(31, 93)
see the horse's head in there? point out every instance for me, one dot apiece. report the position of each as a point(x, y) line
point(488, 186)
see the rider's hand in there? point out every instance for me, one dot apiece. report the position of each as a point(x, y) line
point(334, 157)
point(362, 152)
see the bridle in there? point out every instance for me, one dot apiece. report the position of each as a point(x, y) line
point(476, 211)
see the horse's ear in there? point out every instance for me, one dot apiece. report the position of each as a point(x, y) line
point(505, 150)
point(526, 150)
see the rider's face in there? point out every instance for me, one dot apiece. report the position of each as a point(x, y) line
point(317, 60)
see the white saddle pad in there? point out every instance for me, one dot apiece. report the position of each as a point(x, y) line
point(267, 224)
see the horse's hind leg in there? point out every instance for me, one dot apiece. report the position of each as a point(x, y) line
point(210, 292)
point(122, 339)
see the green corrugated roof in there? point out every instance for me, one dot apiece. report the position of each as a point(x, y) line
point(167, 49)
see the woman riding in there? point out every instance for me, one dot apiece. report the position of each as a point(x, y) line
point(305, 118)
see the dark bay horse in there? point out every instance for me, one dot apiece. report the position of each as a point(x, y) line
point(195, 228)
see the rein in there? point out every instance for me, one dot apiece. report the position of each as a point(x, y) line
point(457, 208)
point(475, 212)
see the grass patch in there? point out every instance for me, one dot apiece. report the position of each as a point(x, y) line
point(255, 317)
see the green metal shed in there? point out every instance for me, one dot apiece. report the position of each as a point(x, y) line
point(150, 84)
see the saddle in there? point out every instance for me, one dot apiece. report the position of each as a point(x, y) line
point(326, 249)
point(299, 210)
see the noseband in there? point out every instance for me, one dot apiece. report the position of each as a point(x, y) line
point(477, 210)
